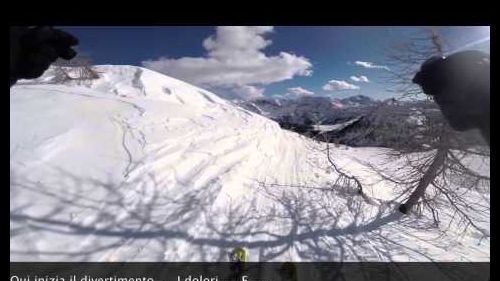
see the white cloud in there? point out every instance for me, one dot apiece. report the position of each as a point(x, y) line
point(360, 78)
point(297, 92)
point(367, 64)
point(338, 85)
point(234, 59)
point(247, 92)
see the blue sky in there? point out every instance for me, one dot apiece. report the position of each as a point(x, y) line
point(256, 61)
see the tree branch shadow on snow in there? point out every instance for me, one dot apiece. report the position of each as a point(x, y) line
point(307, 223)
point(125, 211)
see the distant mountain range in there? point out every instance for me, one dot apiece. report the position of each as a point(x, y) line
point(308, 109)
point(355, 121)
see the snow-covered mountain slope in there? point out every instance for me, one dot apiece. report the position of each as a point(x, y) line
point(138, 166)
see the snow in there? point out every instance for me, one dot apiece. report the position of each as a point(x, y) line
point(138, 166)
point(335, 127)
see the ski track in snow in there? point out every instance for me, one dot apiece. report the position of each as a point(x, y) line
point(142, 167)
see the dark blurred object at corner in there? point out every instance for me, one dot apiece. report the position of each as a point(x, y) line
point(34, 49)
point(460, 85)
